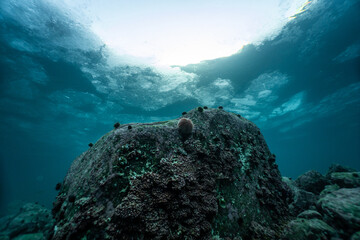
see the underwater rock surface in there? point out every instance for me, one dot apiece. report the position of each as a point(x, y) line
point(32, 221)
point(334, 213)
point(148, 182)
point(217, 181)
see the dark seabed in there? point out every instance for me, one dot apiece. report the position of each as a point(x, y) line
point(60, 90)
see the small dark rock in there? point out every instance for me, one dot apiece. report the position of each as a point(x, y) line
point(129, 127)
point(184, 113)
point(117, 125)
point(205, 107)
point(221, 107)
point(200, 109)
point(91, 144)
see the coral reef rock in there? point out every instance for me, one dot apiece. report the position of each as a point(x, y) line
point(221, 182)
point(32, 221)
point(342, 208)
point(338, 168)
point(346, 179)
point(218, 182)
point(337, 205)
point(302, 200)
point(311, 181)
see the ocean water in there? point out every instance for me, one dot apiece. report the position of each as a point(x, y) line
point(61, 88)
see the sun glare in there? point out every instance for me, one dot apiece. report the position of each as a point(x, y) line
point(196, 52)
point(186, 32)
point(301, 10)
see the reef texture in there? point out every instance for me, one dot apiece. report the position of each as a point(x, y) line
point(32, 221)
point(327, 207)
point(149, 182)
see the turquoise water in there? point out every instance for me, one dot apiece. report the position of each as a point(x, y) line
point(60, 90)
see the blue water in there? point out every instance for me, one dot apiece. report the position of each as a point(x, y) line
point(59, 91)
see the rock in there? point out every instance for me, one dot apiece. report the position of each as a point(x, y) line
point(341, 209)
point(150, 183)
point(329, 189)
point(346, 179)
point(304, 229)
point(302, 200)
point(338, 168)
point(311, 181)
point(30, 222)
point(310, 214)
point(30, 236)
point(355, 236)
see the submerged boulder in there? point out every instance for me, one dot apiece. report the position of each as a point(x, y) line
point(151, 183)
point(311, 181)
point(346, 179)
point(305, 229)
point(302, 200)
point(341, 209)
point(32, 221)
point(334, 168)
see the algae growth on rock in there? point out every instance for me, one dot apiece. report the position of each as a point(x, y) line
point(148, 182)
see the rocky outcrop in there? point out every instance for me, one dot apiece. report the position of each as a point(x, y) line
point(337, 205)
point(305, 229)
point(311, 181)
point(334, 168)
point(342, 209)
point(345, 179)
point(216, 180)
point(32, 221)
point(302, 200)
point(149, 182)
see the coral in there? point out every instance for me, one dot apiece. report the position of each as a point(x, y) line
point(146, 184)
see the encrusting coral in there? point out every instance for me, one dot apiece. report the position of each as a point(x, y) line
point(221, 181)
